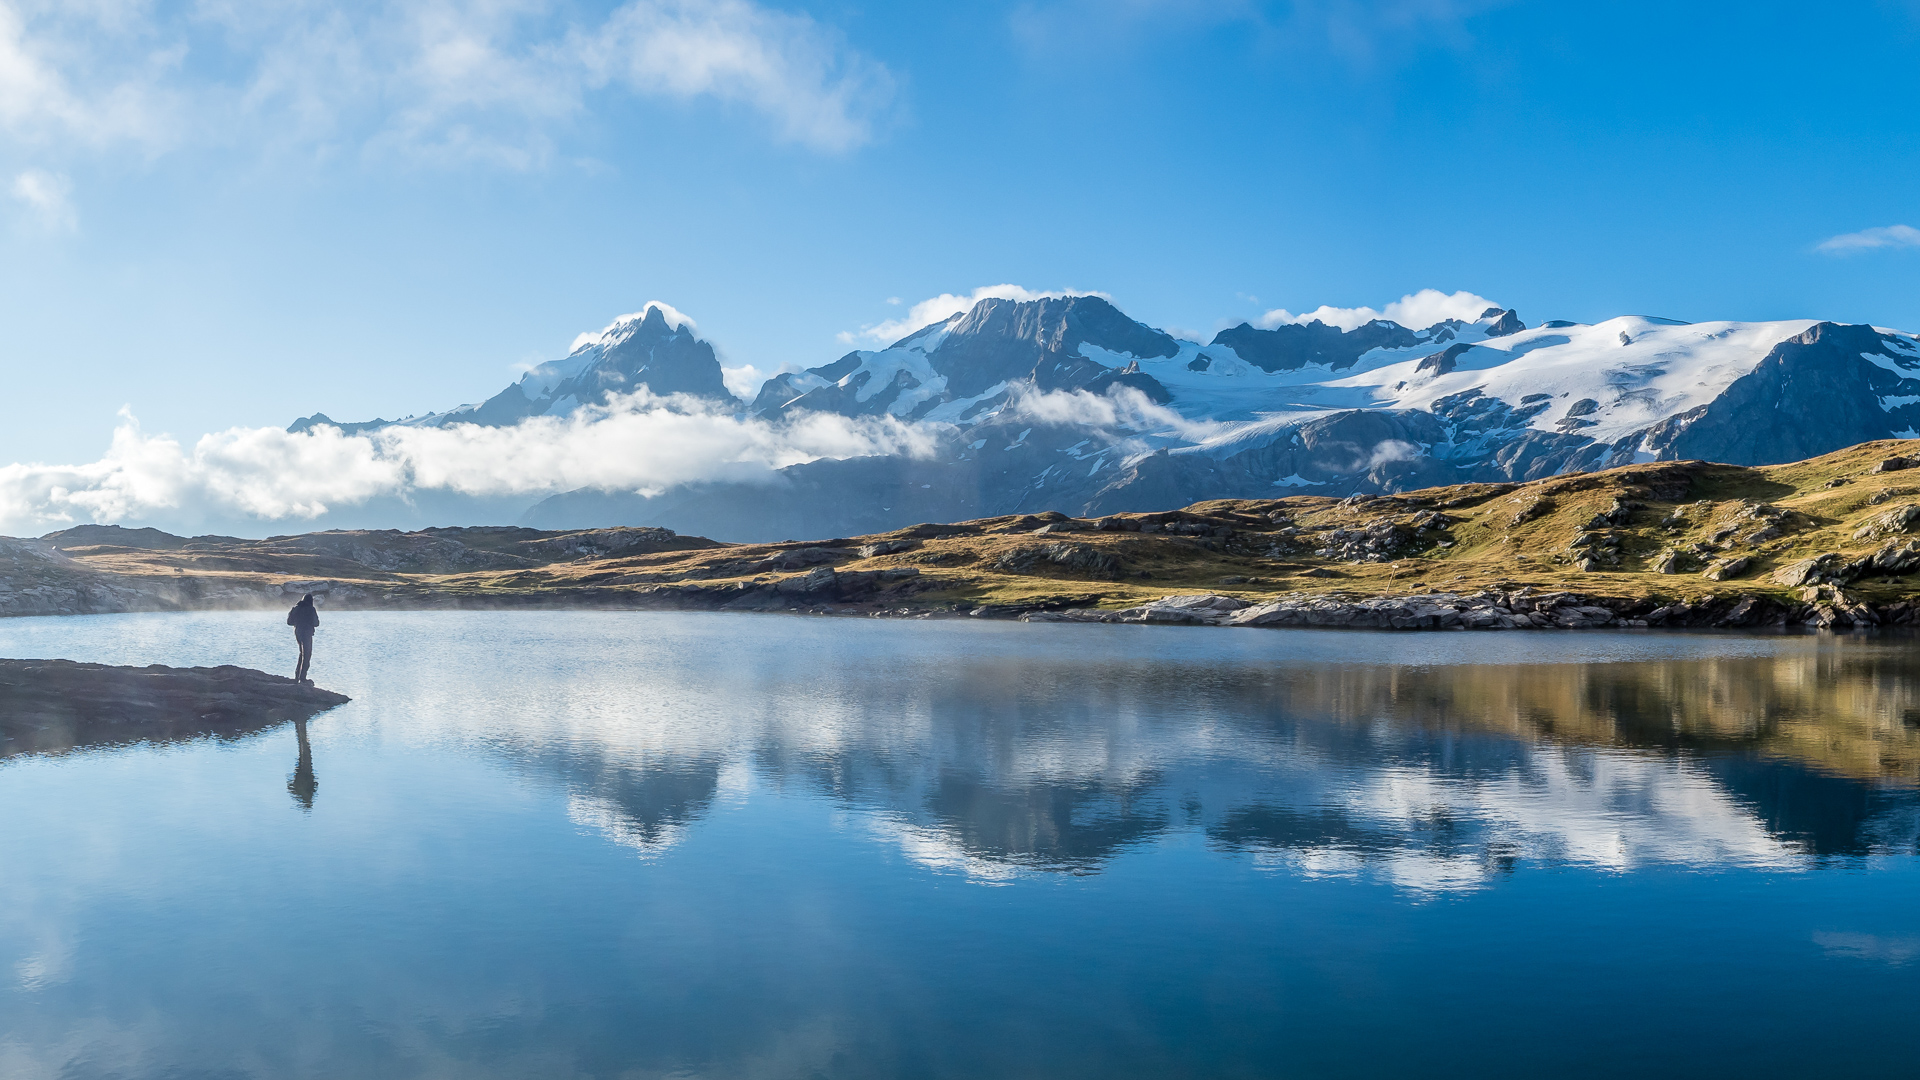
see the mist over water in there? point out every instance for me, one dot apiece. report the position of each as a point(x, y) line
point(639, 844)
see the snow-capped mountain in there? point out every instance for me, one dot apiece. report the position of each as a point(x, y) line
point(967, 366)
point(654, 347)
point(1066, 403)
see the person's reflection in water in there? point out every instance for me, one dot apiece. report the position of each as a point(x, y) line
point(301, 784)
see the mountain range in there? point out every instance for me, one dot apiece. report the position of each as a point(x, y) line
point(1068, 404)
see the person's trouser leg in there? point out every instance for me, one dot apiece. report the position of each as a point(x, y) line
point(306, 658)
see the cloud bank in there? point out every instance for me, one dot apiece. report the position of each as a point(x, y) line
point(47, 198)
point(638, 443)
point(945, 306)
point(450, 80)
point(1891, 236)
point(1415, 310)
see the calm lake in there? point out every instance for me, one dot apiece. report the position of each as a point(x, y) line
point(687, 845)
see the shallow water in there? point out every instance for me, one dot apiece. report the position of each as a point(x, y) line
point(638, 845)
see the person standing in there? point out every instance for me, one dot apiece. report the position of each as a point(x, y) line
point(304, 620)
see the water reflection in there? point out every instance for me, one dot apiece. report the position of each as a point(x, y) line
point(647, 805)
point(1431, 777)
point(1003, 751)
point(302, 784)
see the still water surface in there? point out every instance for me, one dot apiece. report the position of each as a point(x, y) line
point(653, 845)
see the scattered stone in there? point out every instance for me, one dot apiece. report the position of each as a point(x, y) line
point(1540, 507)
point(801, 558)
point(1722, 569)
point(1893, 464)
point(1901, 520)
point(1806, 572)
point(1076, 558)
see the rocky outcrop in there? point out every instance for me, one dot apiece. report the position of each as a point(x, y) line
point(1524, 610)
point(51, 706)
point(1291, 346)
point(1081, 559)
point(1434, 611)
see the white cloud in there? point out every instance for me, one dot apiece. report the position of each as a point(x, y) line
point(818, 92)
point(1361, 32)
point(48, 197)
point(1391, 450)
point(639, 443)
point(1122, 409)
point(497, 81)
point(1891, 236)
point(66, 73)
point(745, 381)
point(945, 306)
point(1415, 310)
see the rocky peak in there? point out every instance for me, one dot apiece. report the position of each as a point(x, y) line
point(1291, 346)
point(1008, 340)
point(1504, 322)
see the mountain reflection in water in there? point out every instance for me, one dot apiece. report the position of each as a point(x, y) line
point(596, 844)
point(1432, 776)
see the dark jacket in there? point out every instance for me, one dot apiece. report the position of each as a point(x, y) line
point(303, 618)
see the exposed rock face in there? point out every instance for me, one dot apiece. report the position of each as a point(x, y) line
point(1293, 346)
point(1812, 389)
point(1004, 340)
point(1903, 520)
point(996, 348)
point(1079, 558)
point(1507, 323)
point(1442, 362)
point(642, 351)
point(49, 706)
point(1437, 611)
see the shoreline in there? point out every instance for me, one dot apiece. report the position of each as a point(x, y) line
point(1525, 608)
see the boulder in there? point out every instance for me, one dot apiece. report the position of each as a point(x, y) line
point(1902, 519)
point(1807, 571)
point(1722, 569)
point(1206, 608)
point(817, 582)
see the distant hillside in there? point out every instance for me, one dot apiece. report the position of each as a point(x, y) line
point(1831, 541)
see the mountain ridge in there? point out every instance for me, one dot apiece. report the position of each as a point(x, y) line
point(1066, 402)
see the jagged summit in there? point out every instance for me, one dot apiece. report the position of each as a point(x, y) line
point(654, 348)
point(970, 364)
point(647, 350)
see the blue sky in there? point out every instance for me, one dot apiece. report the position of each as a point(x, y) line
point(222, 213)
